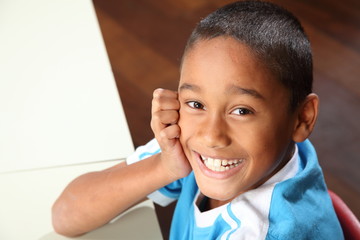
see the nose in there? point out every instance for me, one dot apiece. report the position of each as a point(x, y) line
point(213, 132)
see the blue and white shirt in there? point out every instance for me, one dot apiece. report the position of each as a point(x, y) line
point(292, 204)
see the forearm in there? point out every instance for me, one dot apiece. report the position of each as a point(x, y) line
point(95, 198)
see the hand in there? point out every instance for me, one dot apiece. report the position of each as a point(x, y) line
point(165, 115)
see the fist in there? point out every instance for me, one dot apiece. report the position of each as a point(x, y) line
point(165, 116)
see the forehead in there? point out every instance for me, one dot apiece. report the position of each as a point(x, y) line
point(224, 62)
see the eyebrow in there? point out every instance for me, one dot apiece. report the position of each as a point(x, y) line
point(188, 86)
point(239, 90)
point(231, 90)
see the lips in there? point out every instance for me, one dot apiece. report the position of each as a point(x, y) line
point(220, 165)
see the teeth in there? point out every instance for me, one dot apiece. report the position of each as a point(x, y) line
point(219, 165)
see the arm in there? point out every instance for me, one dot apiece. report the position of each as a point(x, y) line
point(94, 199)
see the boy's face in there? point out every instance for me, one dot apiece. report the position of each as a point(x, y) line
point(236, 128)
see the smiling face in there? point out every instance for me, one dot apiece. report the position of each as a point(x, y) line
point(236, 127)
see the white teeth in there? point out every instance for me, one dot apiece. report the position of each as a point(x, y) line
point(217, 162)
point(219, 165)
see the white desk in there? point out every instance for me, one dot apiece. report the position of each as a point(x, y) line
point(27, 197)
point(59, 104)
point(60, 116)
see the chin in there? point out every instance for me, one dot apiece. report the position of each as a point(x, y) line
point(216, 192)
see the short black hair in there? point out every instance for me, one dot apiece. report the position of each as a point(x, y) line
point(274, 35)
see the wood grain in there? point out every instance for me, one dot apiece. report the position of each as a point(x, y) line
point(145, 40)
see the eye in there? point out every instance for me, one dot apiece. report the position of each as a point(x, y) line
point(242, 111)
point(195, 105)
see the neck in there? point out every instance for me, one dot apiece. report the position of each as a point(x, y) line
point(206, 204)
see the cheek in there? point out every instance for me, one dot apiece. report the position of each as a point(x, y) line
point(188, 132)
point(259, 142)
point(185, 126)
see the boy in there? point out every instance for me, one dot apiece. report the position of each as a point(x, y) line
point(233, 139)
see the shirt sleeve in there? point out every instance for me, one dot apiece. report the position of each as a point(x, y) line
point(169, 193)
point(142, 152)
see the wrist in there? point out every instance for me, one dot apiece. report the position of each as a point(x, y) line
point(170, 173)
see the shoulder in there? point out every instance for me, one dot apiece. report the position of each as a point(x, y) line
point(300, 206)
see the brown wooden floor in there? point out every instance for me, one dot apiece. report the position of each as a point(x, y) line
point(145, 40)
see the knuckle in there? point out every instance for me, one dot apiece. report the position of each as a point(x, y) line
point(174, 119)
point(170, 117)
point(152, 125)
point(155, 117)
point(158, 92)
point(163, 135)
point(155, 102)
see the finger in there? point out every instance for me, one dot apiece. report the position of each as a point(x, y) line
point(164, 100)
point(162, 119)
point(160, 92)
point(165, 103)
point(167, 117)
point(170, 132)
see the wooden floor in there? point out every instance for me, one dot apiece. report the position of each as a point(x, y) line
point(145, 40)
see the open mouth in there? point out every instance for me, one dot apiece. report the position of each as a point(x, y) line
point(220, 165)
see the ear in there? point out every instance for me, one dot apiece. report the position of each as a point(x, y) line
point(306, 118)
